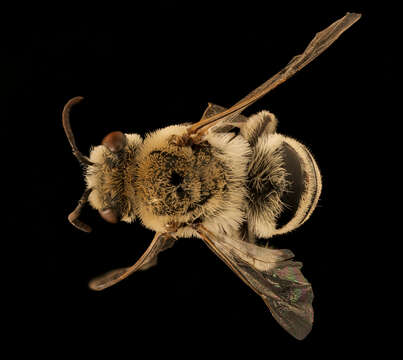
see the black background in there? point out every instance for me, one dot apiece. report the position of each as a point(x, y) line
point(146, 68)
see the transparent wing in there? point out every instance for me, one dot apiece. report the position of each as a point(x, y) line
point(213, 109)
point(160, 243)
point(224, 126)
point(273, 276)
point(317, 46)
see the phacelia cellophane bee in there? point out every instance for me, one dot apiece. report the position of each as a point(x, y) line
point(227, 179)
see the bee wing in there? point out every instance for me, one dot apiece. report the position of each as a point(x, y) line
point(318, 45)
point(224, 126)
point(161, 241)
point(213, 109)
point(273, 276)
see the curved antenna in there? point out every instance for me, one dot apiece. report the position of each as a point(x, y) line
point(69, 133)
point(75, 214)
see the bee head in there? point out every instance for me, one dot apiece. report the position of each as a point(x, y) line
point(109, 174)
point(111, 177)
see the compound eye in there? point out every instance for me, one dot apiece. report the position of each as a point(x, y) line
point(109, 215)
point(114, 141)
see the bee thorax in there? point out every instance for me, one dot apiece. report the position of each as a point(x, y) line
point(181, 184)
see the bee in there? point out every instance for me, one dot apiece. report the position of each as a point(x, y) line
point(227, 179)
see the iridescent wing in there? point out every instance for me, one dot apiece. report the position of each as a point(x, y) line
point(317, 46)
point(273, 276)
point(160, 243)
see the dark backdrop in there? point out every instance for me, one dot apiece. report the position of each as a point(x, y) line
point(141, 70)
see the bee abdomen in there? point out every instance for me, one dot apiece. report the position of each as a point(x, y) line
point(305, 188)
point(284, 185)
point(295, 177)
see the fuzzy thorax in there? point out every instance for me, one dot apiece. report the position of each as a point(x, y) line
point(184, 184)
